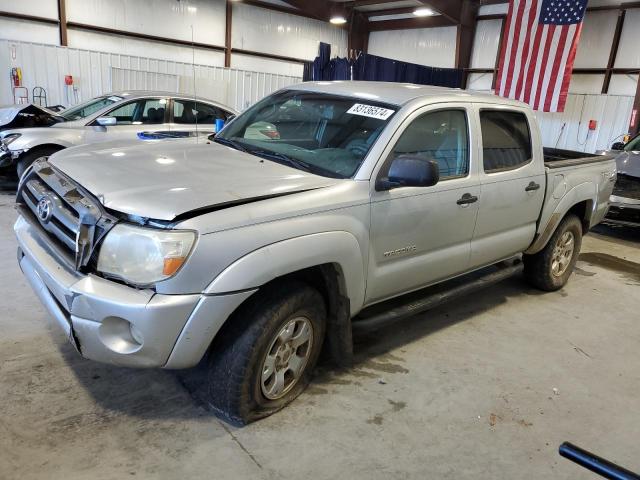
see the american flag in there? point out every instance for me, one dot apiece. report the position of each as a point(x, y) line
point(538, 48)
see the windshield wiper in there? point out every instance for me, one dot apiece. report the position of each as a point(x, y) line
point(230, 143)
point(281, 157)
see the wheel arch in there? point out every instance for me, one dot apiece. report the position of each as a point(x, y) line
point(579, 201)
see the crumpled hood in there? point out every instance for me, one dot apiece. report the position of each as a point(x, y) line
point(8, 114)
point(166, 179)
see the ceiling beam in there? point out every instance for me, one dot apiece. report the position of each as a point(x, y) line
point(312, 8)
point(450, 9)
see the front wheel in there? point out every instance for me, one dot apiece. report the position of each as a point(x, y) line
point(26, 160)
point(550, 268)
point(264, 357)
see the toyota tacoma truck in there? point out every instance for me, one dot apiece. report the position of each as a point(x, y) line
point(318, 205)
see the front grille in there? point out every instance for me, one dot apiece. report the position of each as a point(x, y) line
point(70, 219)
point(627, 186)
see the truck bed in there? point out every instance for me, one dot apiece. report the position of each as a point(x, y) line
point(558, 158)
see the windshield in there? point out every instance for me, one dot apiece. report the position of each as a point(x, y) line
point(324, 134)
point(85, 109)
point(633, 145)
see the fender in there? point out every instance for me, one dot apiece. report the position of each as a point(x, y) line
point(272, 261)
point(584, 192)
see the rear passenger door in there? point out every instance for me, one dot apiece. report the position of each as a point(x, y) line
point(420, 235)
point(512, 184)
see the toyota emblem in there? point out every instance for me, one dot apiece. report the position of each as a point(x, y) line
point(45, 209)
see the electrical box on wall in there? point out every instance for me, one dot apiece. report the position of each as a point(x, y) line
point(593, 124)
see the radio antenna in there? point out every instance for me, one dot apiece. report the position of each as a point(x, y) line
point(193, 68)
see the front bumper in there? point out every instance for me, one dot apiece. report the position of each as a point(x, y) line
point(623, 211)
point(6, 159)
point(113, 323)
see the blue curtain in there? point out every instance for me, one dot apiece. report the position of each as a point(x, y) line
point(373, 67)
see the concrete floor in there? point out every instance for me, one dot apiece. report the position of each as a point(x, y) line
point(487, 387)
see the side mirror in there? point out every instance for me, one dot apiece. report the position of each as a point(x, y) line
point(410, 171)
point(617, 146)
point(106, 121)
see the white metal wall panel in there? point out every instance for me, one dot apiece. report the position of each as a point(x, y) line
point(623, 84)
point(587, 83)
point(163, 18)
point(251, 62)
point(26, 31)
point(38, 8)
point(46, 66)
point(268, 31)
point(434, 47)
point(480, 82)
point(127, 79)
point(486, 43)
point(629, 51)
point(493, 9)
point(595, 40)
point(131, 46)
point(570, 129)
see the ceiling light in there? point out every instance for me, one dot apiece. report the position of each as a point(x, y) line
point(338, 20)
point(423, 12)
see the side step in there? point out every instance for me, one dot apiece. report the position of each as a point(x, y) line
point(376, 317)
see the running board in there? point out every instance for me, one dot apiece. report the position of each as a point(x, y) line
point(427, 302)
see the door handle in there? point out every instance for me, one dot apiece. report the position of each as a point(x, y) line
point(531, 187)
point(466, 199)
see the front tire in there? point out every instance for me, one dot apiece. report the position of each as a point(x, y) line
point(550, 268)
point(32, 156)
point(264, 357)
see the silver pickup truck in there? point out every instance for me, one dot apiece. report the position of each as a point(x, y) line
point(318, 205)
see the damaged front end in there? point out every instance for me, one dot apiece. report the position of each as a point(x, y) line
point(26, 116)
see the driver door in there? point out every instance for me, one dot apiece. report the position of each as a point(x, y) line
point(421, 235)
point(145, 114)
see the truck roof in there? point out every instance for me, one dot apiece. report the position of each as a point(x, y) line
point(401, 93)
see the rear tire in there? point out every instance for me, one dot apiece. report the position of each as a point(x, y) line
point(32, 156)
point(264, 357)
point(551, 267)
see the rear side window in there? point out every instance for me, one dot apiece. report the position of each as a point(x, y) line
point(506, 140)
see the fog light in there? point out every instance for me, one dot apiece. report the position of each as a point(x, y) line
point(136, 334)
point(118, 335)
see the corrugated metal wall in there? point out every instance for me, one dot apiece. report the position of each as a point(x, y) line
point(46, 65)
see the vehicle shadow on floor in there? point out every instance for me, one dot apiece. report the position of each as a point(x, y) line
point(157, 394)
point(618, 233)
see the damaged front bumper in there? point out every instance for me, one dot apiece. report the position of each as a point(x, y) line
point(624, 211)
point(114, 323)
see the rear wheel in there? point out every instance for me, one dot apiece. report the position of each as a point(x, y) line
point(32, 156)
point(264, 357)
point(551, 268)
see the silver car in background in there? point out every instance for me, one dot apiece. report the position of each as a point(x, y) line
point(113, 117)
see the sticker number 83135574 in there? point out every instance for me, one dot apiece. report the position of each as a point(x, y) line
point(370, 111)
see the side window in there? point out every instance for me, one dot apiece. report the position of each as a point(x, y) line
point(441, 136)
point(140, 112)
point(506, 140)
point(188, 111)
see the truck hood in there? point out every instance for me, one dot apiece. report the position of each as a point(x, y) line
point(170, 179)
point(25, 116)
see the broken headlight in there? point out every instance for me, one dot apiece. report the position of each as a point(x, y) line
point(143, 256)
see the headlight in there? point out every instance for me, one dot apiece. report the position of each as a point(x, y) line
point(144, 255)
point(7, 139)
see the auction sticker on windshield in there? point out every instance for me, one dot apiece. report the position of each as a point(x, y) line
point(370, 111)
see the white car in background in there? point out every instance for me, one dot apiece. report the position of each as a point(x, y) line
point(116, 116)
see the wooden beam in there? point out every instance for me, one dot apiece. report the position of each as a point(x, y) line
point(614, 51)
point(450, 9)
point(227, 33)
point(634, 125)
point(406, 23)
point(62, 18)
point(30, 18)
point(466, 31)
point(358, 36)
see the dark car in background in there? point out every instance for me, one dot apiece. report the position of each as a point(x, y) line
point(625, 200)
